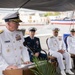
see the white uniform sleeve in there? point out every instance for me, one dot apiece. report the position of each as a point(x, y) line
point(69, 43)
point(50, 45)
point(25, 53)
point(63, 46)
point(3, 63)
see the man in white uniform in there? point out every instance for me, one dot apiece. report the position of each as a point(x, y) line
point(71, 43)
point(57, 49)
point(12, 51)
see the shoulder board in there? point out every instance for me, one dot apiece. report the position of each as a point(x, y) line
point(51, 37)
point(1, 31)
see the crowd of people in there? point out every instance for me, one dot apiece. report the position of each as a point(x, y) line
point(16, 50)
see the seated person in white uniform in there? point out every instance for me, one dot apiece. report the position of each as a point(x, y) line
point(12, 52)
point(58, 50)
point(71, 43)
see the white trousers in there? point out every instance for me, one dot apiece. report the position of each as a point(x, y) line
point(60, 57)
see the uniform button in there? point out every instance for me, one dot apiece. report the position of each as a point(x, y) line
point(15, 48)
point(8, 45)
point(16, 63)
point(55, 43)
point(20, 47)
point(15, 56)
point(8, 50)
point(13, 41)
point(22, 60)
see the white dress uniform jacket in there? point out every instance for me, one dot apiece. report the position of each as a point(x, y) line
point(71, 44)
point(12, 51)
point(54, 45)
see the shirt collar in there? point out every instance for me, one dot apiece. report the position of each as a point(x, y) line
point(8, 31)
point(31, 38)
point(55, 37)
point(72, 36)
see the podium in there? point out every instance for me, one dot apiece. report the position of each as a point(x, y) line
point(24, 71)
point(13, 72)
point(18, 72)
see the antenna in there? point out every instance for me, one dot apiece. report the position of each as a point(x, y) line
point(23, 4)
point(72, 19)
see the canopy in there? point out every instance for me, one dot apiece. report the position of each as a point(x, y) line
point(44, 5)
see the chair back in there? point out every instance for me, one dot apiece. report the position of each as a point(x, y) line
point(47, 43)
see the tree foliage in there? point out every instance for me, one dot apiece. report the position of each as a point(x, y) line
point(52, 14)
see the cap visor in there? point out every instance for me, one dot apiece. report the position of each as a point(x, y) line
point(72, 31)
point(15, 20)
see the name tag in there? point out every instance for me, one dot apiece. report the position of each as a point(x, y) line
point(7, 41)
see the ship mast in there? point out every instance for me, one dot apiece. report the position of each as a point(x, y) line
point(72, 19)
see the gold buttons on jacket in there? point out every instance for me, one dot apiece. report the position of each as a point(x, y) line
point(15, 49)
point(15, 56)
point(8, 50)
point(20, 47)
point(8, 45)
point(13, 41)
point(55, 43)
point(22, 59)
point(16, 63)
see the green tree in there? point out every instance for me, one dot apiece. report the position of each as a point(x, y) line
point(51, 14)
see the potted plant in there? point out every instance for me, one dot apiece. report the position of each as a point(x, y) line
point(43, 68)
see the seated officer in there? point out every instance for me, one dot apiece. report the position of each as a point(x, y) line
point(34, 44)
point(71, 43)
point(12, 52)
point(58, 50)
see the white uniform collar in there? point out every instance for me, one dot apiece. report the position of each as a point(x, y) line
point(72, 36)
point(55, 36)
point(9, 31)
